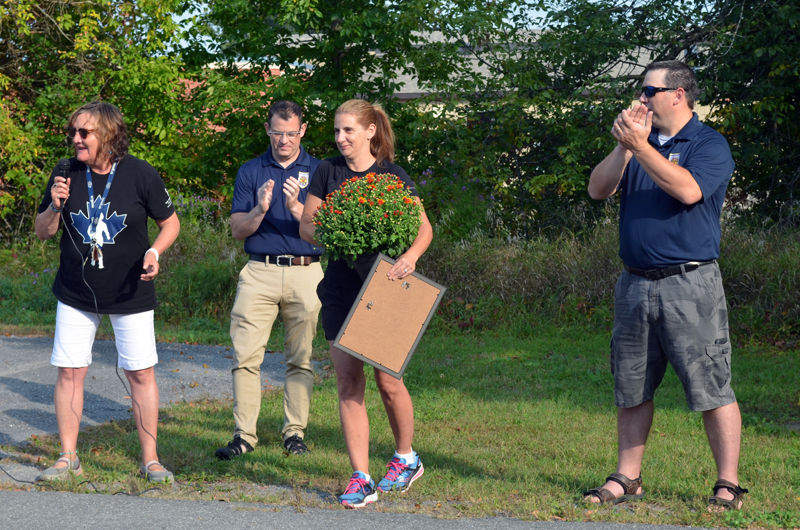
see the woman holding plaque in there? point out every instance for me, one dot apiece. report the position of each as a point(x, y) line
point(365, 140)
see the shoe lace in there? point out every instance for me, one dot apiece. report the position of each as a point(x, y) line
point(395, 469)
point(355, 484)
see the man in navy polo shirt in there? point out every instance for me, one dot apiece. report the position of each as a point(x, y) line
point(282, 275)
point(672, 173)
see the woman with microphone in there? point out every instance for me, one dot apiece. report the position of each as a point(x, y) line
point(101, 200)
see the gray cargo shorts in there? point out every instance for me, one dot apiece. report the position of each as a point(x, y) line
point(683, 320)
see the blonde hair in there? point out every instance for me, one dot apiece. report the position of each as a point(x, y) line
point(381, 146)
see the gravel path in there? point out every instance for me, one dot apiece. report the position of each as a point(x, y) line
point(184, 372)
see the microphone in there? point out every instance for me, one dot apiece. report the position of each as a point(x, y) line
point(63, 167)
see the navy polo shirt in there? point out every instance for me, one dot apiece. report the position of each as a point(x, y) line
point(279, 232)
point(657, 230)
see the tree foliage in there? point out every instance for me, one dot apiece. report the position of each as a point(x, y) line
point(531, 98)
point(325, 51)
point(752, 79)
point(56, 55)
point(520, 99)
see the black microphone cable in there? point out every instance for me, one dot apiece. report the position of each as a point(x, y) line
point(63, 166)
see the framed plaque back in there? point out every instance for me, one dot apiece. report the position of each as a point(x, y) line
point(388, 318)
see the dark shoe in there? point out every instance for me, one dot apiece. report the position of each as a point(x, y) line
point(295, 445)
point(233, 449)
point(727, 504)
point(629, 487)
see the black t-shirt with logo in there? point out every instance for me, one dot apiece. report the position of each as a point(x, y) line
point(137, 192)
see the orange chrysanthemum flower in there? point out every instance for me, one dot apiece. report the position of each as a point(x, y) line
point(388, 223)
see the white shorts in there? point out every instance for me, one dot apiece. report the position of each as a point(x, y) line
point(76, 329)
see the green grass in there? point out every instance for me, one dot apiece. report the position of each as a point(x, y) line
point(513, 395)
point(506, 422)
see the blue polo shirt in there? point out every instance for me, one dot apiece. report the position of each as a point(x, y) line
point(279, 232)
point(657, 230)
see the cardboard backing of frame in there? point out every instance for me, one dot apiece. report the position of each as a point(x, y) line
point(389, 318)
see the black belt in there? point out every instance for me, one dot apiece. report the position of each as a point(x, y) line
point(285, 260)
point(666, 272)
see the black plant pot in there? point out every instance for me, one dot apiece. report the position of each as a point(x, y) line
point(363, 264)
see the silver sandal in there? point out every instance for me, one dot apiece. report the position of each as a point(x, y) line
point(156, 476)
point(62, 472)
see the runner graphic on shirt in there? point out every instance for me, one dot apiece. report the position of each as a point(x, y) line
point(108, 226)
point(97, 240)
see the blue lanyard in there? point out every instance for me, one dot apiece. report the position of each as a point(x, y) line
point(94, 212)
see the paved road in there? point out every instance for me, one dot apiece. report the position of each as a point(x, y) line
point(184, 372)
point(70, 510)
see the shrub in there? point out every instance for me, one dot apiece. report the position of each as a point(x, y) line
point(199, 273)
point(196, 209)
point(761, 275)
point(533, 270)
point(570, 277)
point(510, 283)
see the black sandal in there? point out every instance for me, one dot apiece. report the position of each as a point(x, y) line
point(233, 449)
point(727, 504)
point(630, 487)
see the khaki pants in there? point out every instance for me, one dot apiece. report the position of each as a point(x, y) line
point(263, 290)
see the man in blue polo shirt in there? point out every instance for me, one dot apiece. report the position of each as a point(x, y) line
point(672, 173)
point(282, 275)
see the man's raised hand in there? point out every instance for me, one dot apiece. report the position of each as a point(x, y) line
point(632, 127)
point(291, 188)
point(265, 195)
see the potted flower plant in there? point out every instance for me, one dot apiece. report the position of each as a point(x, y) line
point(366, 215)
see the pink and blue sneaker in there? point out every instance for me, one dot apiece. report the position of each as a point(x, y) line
point(401, 474)
point(360, 491)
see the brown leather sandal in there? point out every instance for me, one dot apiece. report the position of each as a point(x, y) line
point(630, 487)
point(728, 504)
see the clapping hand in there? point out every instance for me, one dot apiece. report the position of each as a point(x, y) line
point(265, 195)
point(291, 188)
point(632, 127)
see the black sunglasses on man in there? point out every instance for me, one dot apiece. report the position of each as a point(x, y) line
point(651, 91)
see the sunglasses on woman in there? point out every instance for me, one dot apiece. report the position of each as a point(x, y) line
point(83, 132)
point(651, 91)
